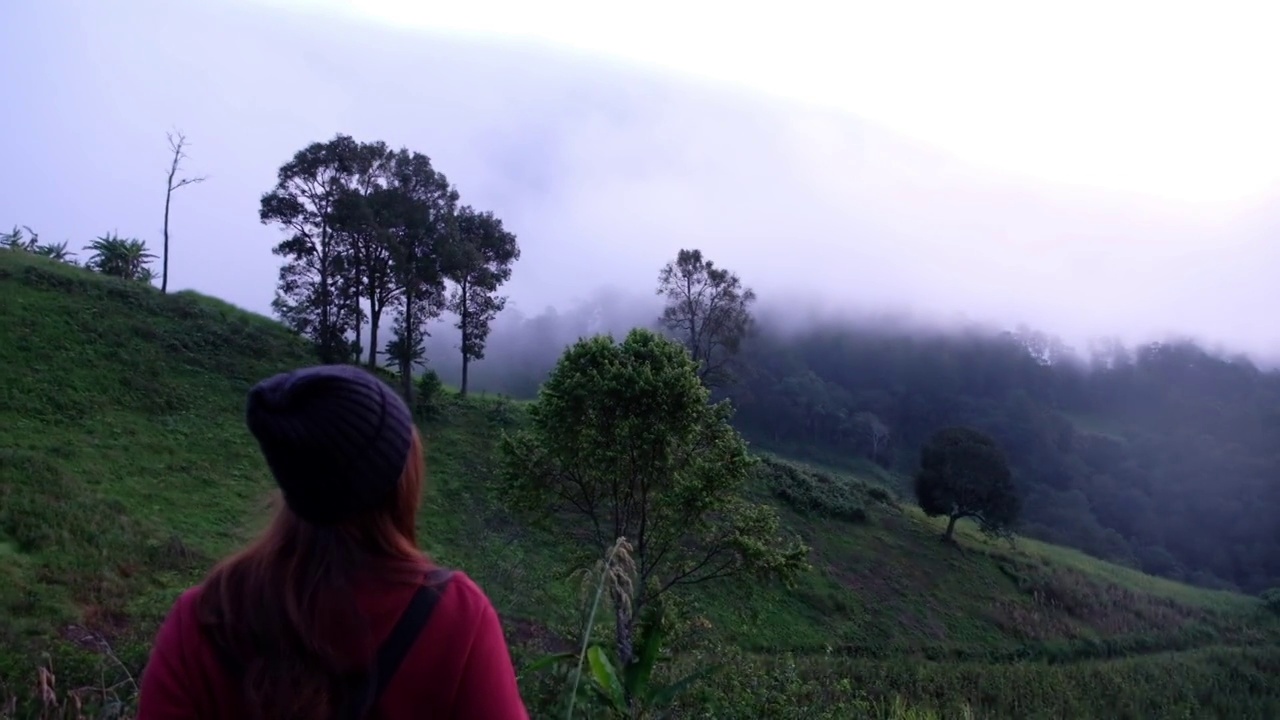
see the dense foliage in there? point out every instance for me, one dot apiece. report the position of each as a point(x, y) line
point(708, 310)
point(370, 231)
point(622, 443)
point(963, 474)
point(1164, 457)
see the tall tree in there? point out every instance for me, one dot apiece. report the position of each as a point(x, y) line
point(363, 217)
point(177, 146)
point(315, 295)
point(484, 257)
point(963, 473)
point(420, 207)
point(708, 309)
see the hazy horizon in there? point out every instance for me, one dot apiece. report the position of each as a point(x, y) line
point(605, 167)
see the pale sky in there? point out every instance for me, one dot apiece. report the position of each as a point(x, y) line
point(1084, 167)
point(1164, 98)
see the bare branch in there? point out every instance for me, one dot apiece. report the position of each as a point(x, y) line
point(177, 145)
point(189, 181)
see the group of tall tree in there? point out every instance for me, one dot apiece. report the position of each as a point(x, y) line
point(374, 231)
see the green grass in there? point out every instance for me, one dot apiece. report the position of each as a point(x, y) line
point(126, 470)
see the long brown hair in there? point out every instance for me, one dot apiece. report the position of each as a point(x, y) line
point(282, 610)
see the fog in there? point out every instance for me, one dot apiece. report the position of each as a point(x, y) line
point(603, 169)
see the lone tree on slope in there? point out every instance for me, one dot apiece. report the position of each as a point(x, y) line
point(963, 473)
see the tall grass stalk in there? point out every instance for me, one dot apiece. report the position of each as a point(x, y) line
point(618, 555)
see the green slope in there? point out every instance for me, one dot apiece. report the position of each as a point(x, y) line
point(125, 470)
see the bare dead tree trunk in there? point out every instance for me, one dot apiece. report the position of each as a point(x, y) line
point(177, 143)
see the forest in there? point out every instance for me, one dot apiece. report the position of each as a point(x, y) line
point(1162, 456)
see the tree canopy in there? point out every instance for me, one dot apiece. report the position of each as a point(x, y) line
point(963, 474)
point(623, 443)
point(485, 253)
point(708, 310)
point(372, 231)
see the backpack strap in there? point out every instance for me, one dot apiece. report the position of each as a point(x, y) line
point(399, 642)
point(408, 628)
point(369, 687)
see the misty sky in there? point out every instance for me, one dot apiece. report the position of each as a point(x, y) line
point(1110, 172)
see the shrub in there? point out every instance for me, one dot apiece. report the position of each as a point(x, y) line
point(1271, 599)
point(815, 493)
point(881, 495)
point(427, 399)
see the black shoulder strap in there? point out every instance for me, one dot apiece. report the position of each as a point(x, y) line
point(400, 641)
point(407, 629)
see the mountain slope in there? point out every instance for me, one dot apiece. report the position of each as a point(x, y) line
point(125, 470)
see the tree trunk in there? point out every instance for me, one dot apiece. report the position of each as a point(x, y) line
point(951, 526)
point(375, 317)
point(164, 277)
point(463, 302)
point(406, 362)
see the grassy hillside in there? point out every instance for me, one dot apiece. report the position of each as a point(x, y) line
point(125, 470)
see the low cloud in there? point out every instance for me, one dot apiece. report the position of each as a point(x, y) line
point(603, 171)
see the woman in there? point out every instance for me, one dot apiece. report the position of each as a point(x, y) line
point(333, 612)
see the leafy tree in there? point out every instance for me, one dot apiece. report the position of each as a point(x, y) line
point(315, 296)
point(421, 207)
point(963, 473)
point(407, 352)
point(623, 443)
point(485, 254)
point(57, 251)
point(708, 309)
point(430, 391)
point(177, 146)
point(126, 258)
point(365, 214)
point(16, 240)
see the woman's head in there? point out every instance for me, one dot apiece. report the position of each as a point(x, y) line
point(344, 451)
point(335, 437)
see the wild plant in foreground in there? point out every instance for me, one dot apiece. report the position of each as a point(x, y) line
point(115, 701)
point(620, 683)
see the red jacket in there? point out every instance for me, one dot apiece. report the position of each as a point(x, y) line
point(459, 667)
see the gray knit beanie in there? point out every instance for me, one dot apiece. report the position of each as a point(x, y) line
point(335, 437)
